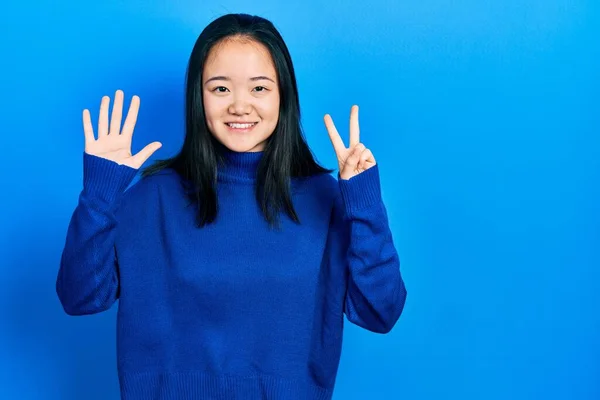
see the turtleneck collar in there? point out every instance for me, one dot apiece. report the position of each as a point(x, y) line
point(239, 166)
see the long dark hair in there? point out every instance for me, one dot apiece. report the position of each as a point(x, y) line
point(286, 153)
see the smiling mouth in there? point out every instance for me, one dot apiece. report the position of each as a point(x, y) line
point(239, 127)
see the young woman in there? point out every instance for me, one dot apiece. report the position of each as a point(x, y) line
point(235, 261)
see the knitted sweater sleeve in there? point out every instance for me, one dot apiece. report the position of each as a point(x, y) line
point(375, 291)
point(87, 280)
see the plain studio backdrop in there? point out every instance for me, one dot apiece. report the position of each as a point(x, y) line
point(483, 115)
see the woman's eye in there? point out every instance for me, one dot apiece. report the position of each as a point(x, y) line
point(223, 89)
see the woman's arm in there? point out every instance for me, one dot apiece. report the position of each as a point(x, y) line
point(87, 280)
point(375, 292)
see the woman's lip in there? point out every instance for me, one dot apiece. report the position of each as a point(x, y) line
point(241, 129)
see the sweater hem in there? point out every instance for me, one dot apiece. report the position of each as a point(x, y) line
point(202, 385)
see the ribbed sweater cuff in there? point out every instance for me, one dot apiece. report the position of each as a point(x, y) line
point(361, 191)
point(105, 178)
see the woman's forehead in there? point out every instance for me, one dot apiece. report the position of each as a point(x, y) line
point(239, 55)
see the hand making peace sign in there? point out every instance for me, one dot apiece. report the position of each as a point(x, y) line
point(356, 158)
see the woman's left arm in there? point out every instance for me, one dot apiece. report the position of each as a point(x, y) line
point(375, 292)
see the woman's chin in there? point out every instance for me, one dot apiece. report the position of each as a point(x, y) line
point(242, 146)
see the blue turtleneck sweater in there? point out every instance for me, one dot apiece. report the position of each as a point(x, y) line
point(234, 310)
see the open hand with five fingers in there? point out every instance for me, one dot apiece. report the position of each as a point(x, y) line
point(356, 158)
point(114, 143)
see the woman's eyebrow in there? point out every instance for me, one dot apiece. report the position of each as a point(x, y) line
point(226, 78)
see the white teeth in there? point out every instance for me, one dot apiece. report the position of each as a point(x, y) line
point(241, 126)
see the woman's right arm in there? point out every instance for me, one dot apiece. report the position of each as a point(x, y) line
point(88, 280)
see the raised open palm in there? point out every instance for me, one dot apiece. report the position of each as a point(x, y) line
point(356, 158)
point(114, 143)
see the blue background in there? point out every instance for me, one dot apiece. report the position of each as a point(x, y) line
point(484, 118)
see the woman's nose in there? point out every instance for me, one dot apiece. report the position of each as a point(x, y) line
point(240, 105)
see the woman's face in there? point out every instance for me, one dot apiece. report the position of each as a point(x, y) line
point(241, 94)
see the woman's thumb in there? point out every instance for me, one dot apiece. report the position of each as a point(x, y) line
point(144, 154)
